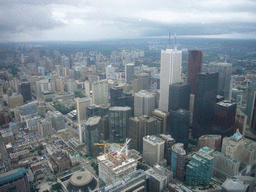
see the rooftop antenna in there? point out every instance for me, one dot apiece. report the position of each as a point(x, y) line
point(226, 57)
point(175, 41)
point(169, 40)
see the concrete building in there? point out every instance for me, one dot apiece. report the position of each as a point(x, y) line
point(110, 72)
point(15, 100)
point(59, 162)
point(114, 166)
point(194, 66)
point(211, 141)
point(100, 92)
point(159, 177)
point(44, 127)
point(144, 103)
point(234, 185)
point(168, 143)
point(225, 72)
point(119, 123)
point(144, 81)
point(71, 85)
point(153, 150)
point(199, 168)
point(225, 165)
point(58, 121)
point(14, 180)
point(17, 156)
point(129, 73)
point(73, 156)
point(178, 161)
point(170, 73)
point(139, 127)
point(240, 121)
point(7, 137)
point(162, 117)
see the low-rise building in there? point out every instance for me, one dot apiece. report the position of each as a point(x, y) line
point(15, 157)
point(211, 141)
point(73, 156)
point(60, 160)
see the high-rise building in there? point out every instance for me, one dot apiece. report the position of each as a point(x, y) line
point(93, 135)
point(45, 127)
point(139, 127)
point(110, 72)
point(15, 100)
point(159, 177)
point(25, 91)
point(178, 161)
point(153, 150)
point(194, 66)
point(14, 180)
point(251, 105)
point(144, 103)
point(224, 118)
point(179, 125)
point(211, 141)
point(168, 143)
point(81, 104)
point(170, 73)
point(129, 73)
point(115, 93)
point(240, 121)
point(162, 117)
point(199, 168)
point(204, 104)
point(119, 123)
point(225, 72)
point(179, 96)
point(71, 85)
point(58, 121)
point(144, 79)
point(100, 92)
point(41, 71)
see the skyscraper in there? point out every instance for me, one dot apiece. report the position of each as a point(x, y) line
point(119, 123)
point(178, 161)
point(194, 66)
point(144, 103)
point(225, 71)
point(205, 99)
point(179, 96)
point(170, 73)
point(115, 93)
point(129, 72)
point(179, 125)
point(251, 105)
point(100, 92)
point(140, 127)
point(25, 91)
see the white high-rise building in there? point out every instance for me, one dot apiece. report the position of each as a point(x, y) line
point(110, 72)
point(144, 103)
point(171, 60)
point(100, 92)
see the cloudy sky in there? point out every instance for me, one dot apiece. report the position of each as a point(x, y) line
point(75, 20)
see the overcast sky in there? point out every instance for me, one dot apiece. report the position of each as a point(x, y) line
point(36, 20)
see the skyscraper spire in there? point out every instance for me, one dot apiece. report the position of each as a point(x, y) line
point(169, 40)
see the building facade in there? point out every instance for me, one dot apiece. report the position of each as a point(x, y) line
point(144, 103)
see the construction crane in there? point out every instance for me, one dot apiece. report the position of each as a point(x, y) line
point(107, 144)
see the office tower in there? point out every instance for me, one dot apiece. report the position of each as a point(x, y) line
point(199, 168)
point(45, 127)
point(139, 127)
point(240, 122)
point(115, 165)
point(119, 123)
point(179, 96)
point(41, 71)
point(58, 121)
point(93, 135)
point(168, 143)
point(135, 181)
point(162, 117)
point(206, 89)
point(179, 125)
point(170, 73)
point(225, 71)
point(110, 72)
point(105, 127)
point(178, 161)
point(77, 74)
point(251, 105)
point(144, 103)
point(224, 118)
point(25, 91)
point(14, 180)
point(115, 93)
point(59, 85)
point(71, 85)
point(100, 92)
point(126, 99)
point(129, 73)
point(159, 177)
point(144, 79)
point(153, 150)
point(211, 141)
point(92, 110)
point(194, 66)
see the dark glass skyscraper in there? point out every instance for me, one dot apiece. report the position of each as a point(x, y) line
point(224, 118)
point(179, 96)
point(179, 125)
point(195, 59)
point(206, 90)
point(115, 93)
point(251, 105)
point(25, 91)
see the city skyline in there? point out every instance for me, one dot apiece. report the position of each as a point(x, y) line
point(96, 20)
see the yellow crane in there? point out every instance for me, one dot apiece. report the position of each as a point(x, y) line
point(107, 144)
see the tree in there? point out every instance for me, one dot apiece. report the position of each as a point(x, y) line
point(39, 152)
point(56, 186)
